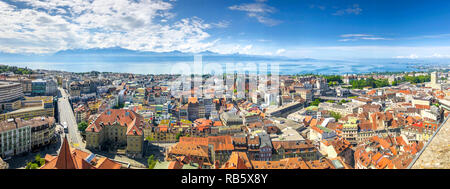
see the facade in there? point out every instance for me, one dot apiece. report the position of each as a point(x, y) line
point(38, 87)
point(10, 96)
point(14, 138)
point(230, 119)
point(350, 130)
point(51, 88)
point(31, 107)
point(18, 136)
point(10, 91)
point(306, 94)
point(119, 127)
point(290, 149)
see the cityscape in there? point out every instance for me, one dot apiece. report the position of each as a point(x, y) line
point(64, 120)
point(248, 84)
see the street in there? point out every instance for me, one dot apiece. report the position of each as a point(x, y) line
point(66, 115)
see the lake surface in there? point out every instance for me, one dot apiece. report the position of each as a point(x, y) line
point(285, 67)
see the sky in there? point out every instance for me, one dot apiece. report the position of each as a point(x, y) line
point(322, 29)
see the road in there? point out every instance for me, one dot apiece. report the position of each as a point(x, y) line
point(66, 115)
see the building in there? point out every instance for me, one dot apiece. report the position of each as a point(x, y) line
point(10, 94)
point(386, 153)
point(10, 91)
point(26, 84)
point(51, 88)
point(350, 130)
point(119, 128)
point(229, 119)
point(18, 136)
point(14, 138)
point(38, 87)
point(77, 159)
point(291, 149)
point(30, 107)
point(205, 151)
point(238, 160)
point(305, 94)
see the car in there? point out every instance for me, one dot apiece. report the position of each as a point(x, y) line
point(66, 129)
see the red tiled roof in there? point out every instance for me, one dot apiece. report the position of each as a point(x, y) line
point(125, 118)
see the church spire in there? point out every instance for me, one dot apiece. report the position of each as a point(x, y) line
point(65, 159)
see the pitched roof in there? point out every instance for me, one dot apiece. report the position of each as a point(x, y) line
point(76, 159)
point(122, 117)
point(105, 163)
point(65, 159)
point(237, 160)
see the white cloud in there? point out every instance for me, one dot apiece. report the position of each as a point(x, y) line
point(280, 51)
point(258, 10)
point(351, 10)
point(356, 37)
point(411, 56)
point(221, 24)
point(248, 47)
point(48, 26)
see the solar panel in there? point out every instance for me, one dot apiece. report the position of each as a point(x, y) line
point(90, 157)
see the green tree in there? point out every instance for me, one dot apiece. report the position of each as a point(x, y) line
point(149, 138)
point(82, 126)
point(344, 101)
point(178, 136)
point(38, 160)
point(151, 162)
point(36, 163)
point(316, 102)
point(336, 115)
point(15, 70)
point(34, 166)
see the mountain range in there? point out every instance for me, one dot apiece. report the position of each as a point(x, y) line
point(117, 54)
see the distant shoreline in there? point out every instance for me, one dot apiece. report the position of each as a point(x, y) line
point(286, 68)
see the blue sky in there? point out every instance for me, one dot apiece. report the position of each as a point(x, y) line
point(322, 29)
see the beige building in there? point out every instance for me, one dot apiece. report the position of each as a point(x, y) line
point(117, 128)
point(30, 107)
point(305, 94)
point(350, 130)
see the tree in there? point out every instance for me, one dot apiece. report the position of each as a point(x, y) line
point(15, 70)
point(336, 115)
point(344, 101)
point(178, 136)
point(149, 138)
point(36, 163)
point(316, 102)
point(34, 166)
point(82, 126)
point(151, 162)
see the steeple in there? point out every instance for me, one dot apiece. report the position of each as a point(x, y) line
point(65, 159)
